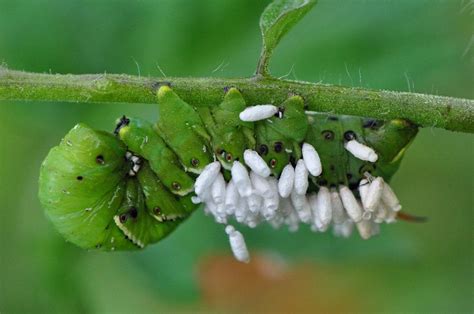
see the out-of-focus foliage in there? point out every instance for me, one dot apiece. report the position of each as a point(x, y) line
point(417, 45)
point(276, 20)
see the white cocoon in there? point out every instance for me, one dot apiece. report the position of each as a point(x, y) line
point(374, 194)
point(240, 176)
point(237, 244)
point(361, 151)
point(207, 177)
point(301, 177)
point(257, 113)
point(324, 205)
point(286, 182)
point(312, 160)
point(256, 163)
point(218, 189)
point(350, 203)
point(390, 199)
point(260, 185)
point(338, 214)
point(231, 198)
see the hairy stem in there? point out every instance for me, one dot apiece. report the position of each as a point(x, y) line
point(425, 110)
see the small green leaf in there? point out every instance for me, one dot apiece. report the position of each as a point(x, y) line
point(276, 20)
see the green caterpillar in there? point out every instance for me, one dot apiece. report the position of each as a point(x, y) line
point(126, 191)
point(94, 203)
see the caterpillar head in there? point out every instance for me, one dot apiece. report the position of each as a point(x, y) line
point(391, 139)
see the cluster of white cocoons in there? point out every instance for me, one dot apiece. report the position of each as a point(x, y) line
point(252, 196)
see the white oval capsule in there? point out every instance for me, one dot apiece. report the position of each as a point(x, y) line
point(363, 190)
point(301, 177)
point(254, 202)
point(231, 198)
point(257, 113)
point(350, 203)
point(218, 189)
point(390, 199)
point(361, 151)
point(260, 185)
point(374, 194)
point(317, 225)
point(302, 207)
point(324, 205)
point(286, 182)
point(365, 229)
point(241, 211)
point(256, 163)
point(312, 160)
point(237, 244)
point(241, 178)
point(338, 214)
point(291, 217)
point(207, 177)
point(271, 202)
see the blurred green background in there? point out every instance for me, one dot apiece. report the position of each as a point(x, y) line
point(422, 46)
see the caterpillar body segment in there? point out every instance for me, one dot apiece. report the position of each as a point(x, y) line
point(275, 150)
point(141, 139)
point(136, 221)
point(160, 202)
point(279, 138)
point(230, 136)
point(182, 129)
point(291, 121)
point(326, 134)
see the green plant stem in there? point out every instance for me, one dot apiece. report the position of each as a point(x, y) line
point(425, 110)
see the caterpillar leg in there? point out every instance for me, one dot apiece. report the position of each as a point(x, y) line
point(136, 222)
point(160, 203)
point(141, 139)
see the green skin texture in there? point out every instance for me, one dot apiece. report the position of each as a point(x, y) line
point(123, 211)
point(162, 204)
point(182, 129)
point(230, 136)
point(287, 132)
point(135, 220)
point(141, 139)
point(389, 140)
point(83, 210)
